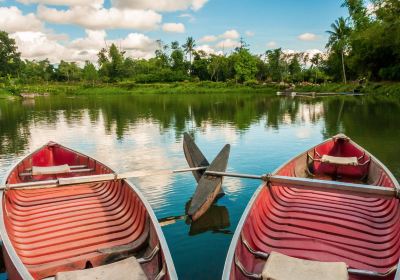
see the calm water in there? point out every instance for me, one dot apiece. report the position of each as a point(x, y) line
point(145, 133)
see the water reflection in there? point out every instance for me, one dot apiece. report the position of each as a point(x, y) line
point(216, 220)
point(145, 133)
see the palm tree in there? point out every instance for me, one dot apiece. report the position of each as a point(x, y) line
point(189, 48)
point(338, 40)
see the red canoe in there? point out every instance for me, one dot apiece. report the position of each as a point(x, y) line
point(79, 230)
point(317, 227)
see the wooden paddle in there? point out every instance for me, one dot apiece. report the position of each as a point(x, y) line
point(313, 184)
point(95, 178)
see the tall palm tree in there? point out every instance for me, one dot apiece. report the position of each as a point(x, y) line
point(189, 47)
point(338, 40)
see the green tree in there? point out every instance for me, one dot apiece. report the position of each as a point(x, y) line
point(200, 65)
point(10, 58)
point(275, 64)
point(116, 58)
point(218, 68)
point(295, 68)
point(189, 48)
point(89, 72)
point(245, 65)
point(339, 40)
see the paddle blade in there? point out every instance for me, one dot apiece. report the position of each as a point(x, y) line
point(194, 156)
point(209, 187)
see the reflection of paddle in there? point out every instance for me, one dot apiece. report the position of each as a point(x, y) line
point(171, 220)
point(216, 219)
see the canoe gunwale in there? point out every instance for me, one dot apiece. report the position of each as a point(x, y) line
point(229, 261)
point(19, 265)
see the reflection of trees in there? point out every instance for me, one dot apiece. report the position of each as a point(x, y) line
point(365, 119)
point(14, 132)
point(373, 122)
point(182, 112)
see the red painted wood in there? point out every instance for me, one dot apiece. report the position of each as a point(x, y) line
point(63, 228)
point(363, 232)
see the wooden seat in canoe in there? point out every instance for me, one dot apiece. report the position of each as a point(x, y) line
point(339, 160)
point(46, 231)
point(282, 267)
point(360, 231)
point(46, 170)
point(127, 269)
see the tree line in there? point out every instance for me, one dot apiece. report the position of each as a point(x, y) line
point(366, 45)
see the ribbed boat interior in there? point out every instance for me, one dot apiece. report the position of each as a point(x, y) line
point(77, 227)
point(68, 228)
point(363, 232)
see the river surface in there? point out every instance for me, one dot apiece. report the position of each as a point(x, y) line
point(145, 133)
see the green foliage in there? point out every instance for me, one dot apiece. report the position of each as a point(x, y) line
point(10, 59)
point(68, 71)
point(363, 46)
point(89, 72)
point(372, 43)
point(245, 65)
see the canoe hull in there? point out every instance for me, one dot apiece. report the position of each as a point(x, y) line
point(115, 214)
point(317, 225)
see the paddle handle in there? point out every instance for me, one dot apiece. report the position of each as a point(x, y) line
point(313, 184)
point(94, 178)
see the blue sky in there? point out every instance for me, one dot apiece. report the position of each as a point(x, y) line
point(64, 25)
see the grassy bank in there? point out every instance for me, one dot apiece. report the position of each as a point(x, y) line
point(385, 88)
point(382, 88)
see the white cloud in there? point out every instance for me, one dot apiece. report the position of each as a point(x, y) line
point(95, 40)
point(161, 5)
point(101, 18)
point(208, 49)
point(228, 44)
point(39, 45)
point(64, 2)
point(190, 17)
point(173, 27)
point(230, 34)
point(12, 20)
point(138, 41)
point(208, 39)
point(250, 33)
point(313, 52)
point(307, 37)
point(272, 44)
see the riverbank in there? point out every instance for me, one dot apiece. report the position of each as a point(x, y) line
point(384, 88)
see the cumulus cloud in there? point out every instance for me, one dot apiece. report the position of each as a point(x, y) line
point(64, 2)
point(161, 5)
point(307, 37)
point(100, 18)
point(173, 27)
point(95, 39)
point(228, 44)
point(208, 39)
point(272, 44)
point(208, 49)
point(12, 20)
point(40, 45)
point(37, 45)
point(230, 34)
